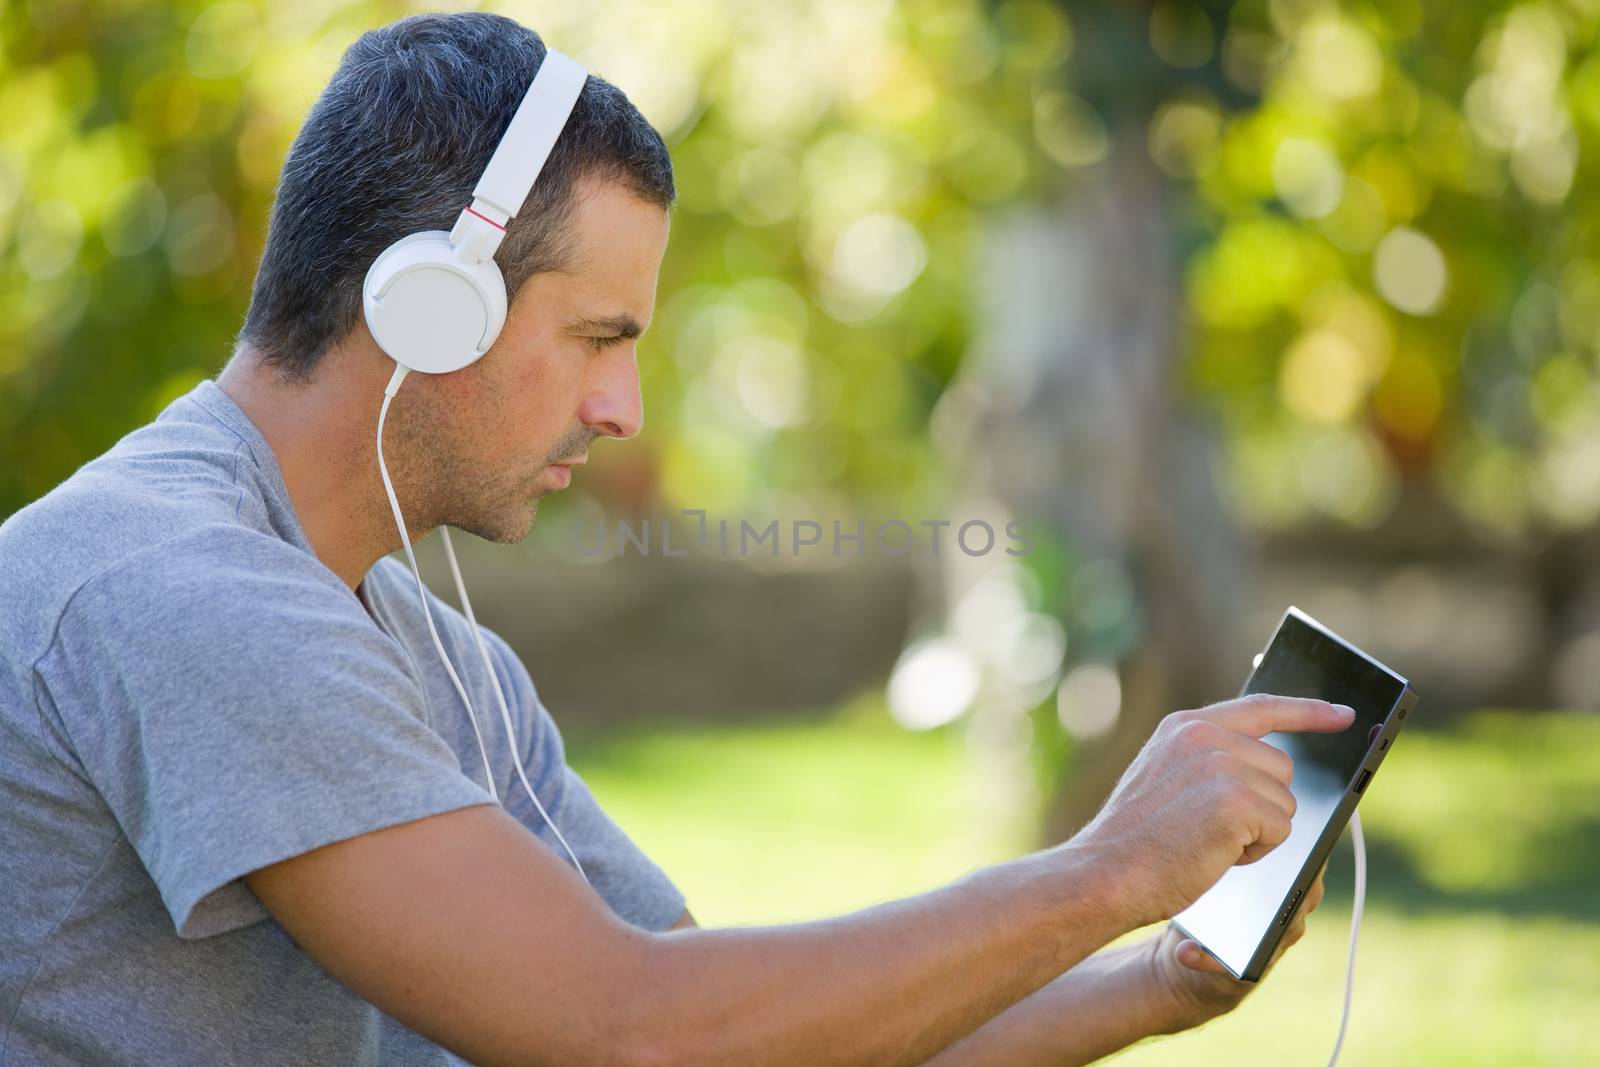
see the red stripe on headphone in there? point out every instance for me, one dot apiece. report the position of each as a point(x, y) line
point(487, 219)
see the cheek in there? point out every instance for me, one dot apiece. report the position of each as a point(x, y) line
point(535, 380)
point(550, 400)
point(523, 404)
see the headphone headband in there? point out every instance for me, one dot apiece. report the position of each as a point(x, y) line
point(528, 141)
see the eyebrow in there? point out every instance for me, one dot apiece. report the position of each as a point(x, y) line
point(618, 325)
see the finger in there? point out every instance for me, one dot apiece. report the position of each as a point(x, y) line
point(1315, 894)
point(1266, 787)
point(1192, 956)
point(1272, 826)
point(1267, 811)
point(1260, 714)
point(1296, 930)
point(1273, 761)
point(1289, 938)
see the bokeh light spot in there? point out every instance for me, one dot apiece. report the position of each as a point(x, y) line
point(1409, 270)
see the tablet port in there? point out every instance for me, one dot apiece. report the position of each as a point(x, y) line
point(1361, 783)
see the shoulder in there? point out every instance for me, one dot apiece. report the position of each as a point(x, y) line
point(208, 562)
point(221, 590)
point(156, 481)
point(222, 633)
point(126, 506)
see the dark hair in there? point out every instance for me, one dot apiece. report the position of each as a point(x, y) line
point(395, 144)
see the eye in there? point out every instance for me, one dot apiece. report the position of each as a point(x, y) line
point(599, 343)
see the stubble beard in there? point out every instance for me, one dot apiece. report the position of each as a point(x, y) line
point(498, 503)
point(490, 503)
point(499, 510)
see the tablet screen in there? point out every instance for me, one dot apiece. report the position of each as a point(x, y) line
point(1233, 917)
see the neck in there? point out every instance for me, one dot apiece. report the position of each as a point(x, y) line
point(324, 439)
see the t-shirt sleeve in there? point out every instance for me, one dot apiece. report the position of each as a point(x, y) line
point(235, 705)
point(634, 887)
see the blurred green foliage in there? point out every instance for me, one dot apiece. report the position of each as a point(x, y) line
point(1384, 211)
point(1399, 276)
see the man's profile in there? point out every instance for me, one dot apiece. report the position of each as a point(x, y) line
point(242, 810)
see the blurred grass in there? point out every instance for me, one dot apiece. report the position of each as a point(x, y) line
point(1480, 945)
point(786, 822)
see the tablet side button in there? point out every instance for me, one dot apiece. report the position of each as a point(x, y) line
point(1361, 783)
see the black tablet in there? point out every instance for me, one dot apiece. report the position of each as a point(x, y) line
point(1241, 918)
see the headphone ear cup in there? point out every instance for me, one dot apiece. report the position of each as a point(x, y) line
point(427, 309)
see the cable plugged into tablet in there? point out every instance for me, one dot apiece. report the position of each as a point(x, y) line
point(1360, 844)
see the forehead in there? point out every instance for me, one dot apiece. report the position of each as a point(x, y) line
point(617, 240)
point(615, 243)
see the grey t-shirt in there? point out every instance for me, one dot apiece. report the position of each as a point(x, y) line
point(187, 694)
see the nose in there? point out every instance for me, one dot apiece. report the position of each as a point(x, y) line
point(615, 406)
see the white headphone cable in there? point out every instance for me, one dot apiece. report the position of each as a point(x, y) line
point(1360, 845)
point(389, 391)
point(500, 697)
point(400, 372)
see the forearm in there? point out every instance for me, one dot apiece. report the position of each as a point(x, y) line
point(890, 985)
point(1105, 1003)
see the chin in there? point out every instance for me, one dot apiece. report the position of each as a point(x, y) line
point(506, 528)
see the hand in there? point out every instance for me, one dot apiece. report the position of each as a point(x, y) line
point(1199, 988)
point(1205, 793)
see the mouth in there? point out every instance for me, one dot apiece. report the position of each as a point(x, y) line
point(561, 473)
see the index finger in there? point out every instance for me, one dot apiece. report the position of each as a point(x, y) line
point(1261, 713)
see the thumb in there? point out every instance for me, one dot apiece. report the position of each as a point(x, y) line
point(1192, 956)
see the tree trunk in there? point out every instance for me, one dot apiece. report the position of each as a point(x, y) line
point(1081, 421)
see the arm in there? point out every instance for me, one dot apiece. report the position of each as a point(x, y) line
point(1105, 1003)
point(468, 929)
point(1161, 985)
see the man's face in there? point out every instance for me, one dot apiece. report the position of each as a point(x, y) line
point(562, 373)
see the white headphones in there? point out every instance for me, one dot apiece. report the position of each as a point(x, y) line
point(435, 301)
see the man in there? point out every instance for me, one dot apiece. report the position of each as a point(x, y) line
point(239, 819)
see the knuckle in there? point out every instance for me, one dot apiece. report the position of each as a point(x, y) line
point(1198, 733)
point(1218, 764)
point(1173, 721)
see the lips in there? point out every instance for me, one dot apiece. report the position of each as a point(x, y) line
point(561, 472)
